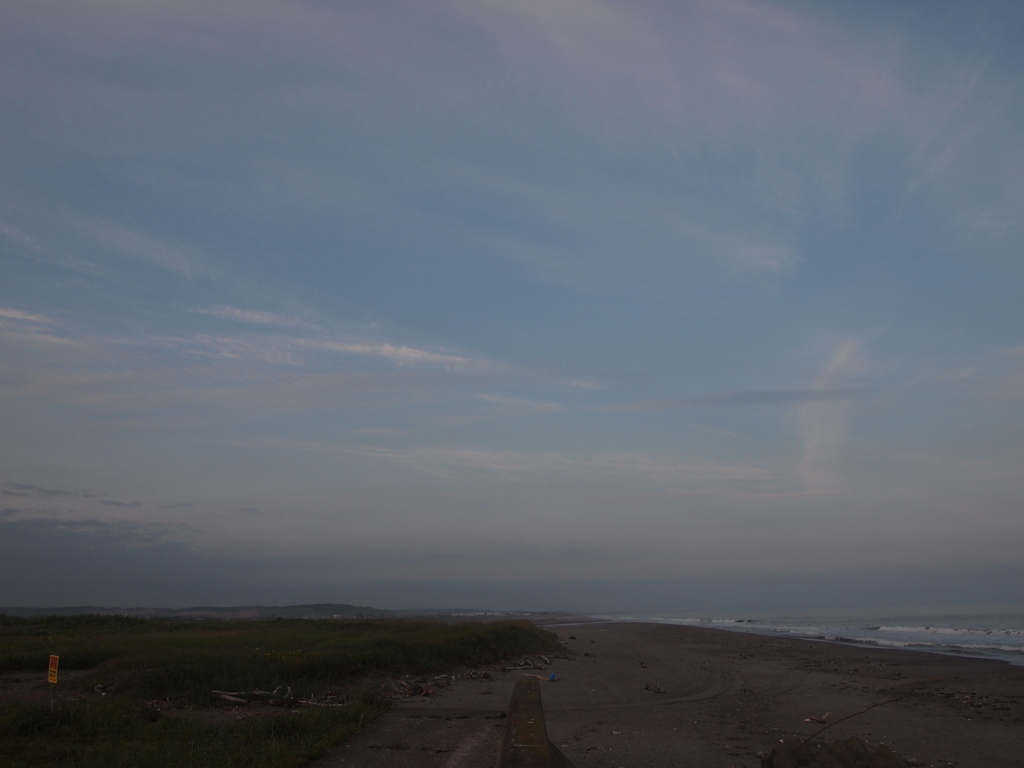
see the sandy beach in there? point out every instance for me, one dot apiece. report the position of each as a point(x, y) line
point(665, 696)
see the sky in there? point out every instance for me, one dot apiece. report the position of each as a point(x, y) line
point(539, 305)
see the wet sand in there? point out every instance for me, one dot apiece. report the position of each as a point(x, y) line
point(724, 698)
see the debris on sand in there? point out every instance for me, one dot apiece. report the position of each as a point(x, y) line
point(846, 753)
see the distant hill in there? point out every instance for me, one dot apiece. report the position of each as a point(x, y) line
point(312, 611)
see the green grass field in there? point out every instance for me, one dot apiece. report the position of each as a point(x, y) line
point(158, 676)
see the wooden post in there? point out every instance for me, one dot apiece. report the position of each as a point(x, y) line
point(51, 677)
point(525, 743)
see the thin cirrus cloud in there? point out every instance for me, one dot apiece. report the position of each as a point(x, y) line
point(19, 324)
point(183, 260)
point(825, 425)
point(396, 353)
point(28, 491)
point(465, 463)
point(11, 313)
point(130, 533)
point(32, 491)
point(255, 317)
point(234, 347)
point(32, 329)
point(517, 406)
point(736, 85)
point(451, 463)
point(754, 398)
point(665, 471)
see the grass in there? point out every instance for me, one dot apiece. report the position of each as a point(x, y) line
point(178, 663)
point(120, 733)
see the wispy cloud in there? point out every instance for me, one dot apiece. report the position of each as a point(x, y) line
point(640, 470)
point(33, 491)
point(255, 317)
point(395, 353)
point(516, 406)
point(23, 240)
point(129, 533)
point(32, 329)
point(288, 350)
point(824, 424)
point(753, 398)
point(78, 503)
point(37, 338)
point(120, 504)
point(699, 89)
point(584, 384)
point(726, 477)
point(449, 463)
point(184, 260)
point(271, 351)
point(10, 313)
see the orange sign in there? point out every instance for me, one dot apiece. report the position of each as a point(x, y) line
point(52, 677)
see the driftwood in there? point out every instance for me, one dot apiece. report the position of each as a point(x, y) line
point(278, 698)
point(229, 697)
point(855, 714)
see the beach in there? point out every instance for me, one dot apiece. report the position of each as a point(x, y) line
point(659, 695)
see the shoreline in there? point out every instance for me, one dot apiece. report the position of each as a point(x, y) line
point(671, 696)
point(947, 640)
point(848, 642)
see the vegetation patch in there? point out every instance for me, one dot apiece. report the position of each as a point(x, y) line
point(152, 691)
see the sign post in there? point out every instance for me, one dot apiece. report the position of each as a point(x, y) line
point(52, 677)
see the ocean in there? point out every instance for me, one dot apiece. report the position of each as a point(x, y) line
point(995, 632)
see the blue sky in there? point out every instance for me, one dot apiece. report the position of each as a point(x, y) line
point(574, 304)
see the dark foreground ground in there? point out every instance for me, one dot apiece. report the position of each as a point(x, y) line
point(724, 697)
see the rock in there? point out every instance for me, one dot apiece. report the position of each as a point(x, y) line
point(852, 752)
point(843, 757)
point(885, 757)
point(825, 760)
point(781, 755)
point(784, 760)
point(858, 749)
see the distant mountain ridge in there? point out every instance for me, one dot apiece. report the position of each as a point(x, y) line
point(309, 611)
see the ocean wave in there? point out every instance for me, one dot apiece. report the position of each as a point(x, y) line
point(1005, 644)
point(950, 630)
point(694, 622)
point(933, 646)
